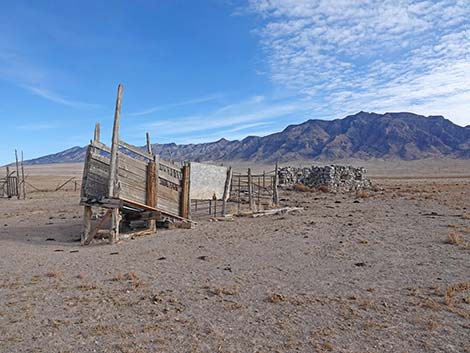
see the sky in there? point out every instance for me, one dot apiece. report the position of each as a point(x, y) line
point(197, 71)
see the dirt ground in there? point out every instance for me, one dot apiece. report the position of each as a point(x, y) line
point(383, 271)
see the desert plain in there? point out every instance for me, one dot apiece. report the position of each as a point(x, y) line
point(386, 270)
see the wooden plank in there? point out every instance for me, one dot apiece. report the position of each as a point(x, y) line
point(112, 192)
point(100, 224)
point(275, 187)
point(114, 230)
point(149, 146)
point(170, 178)
point(88, 212)
point(250, 190)
point(135, 150)
point(151, 195)
point(101, 146)
point(17, 175)
point(184, 202)
point(146, 207)
point(96, 136)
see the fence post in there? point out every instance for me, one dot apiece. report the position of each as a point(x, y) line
point(17, 175)
point(185, 192)
point(228, 185)
point(112, 192)
point(276, 182)
point(250, 190)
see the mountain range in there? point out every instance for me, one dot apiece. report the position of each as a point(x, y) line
point(363, 135)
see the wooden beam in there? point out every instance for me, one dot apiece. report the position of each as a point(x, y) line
point(112, 192)
point(17, 176)
point(250, 190)
point(135, 149)
point(146, 207)
point(96, 136)
point(22, 176)
point(149, 146)
point(184, 205)
point(275, 186)
point(113, 168)
point(100, 224)
point(228, 185)
point(88, 212)
point(151, 194)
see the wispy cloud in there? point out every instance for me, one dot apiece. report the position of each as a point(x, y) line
point(253, 112)
point(16, 70)
point(56, 98)
point(370, 54)
point(199, 100)
point(38, 126)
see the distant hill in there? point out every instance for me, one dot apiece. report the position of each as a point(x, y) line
point(363, 135)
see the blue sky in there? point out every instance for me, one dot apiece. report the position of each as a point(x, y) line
point(197, 71)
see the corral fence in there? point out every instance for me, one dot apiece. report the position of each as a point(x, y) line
point(254, 192)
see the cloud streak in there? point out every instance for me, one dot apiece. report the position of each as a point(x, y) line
point(370, 54)
point(177, 104)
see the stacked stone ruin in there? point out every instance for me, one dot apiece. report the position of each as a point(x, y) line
point(332, 178)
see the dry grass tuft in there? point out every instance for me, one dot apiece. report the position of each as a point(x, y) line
point(453, 290)
point(53, 274)
point(454, 238)
point(276, 298)
point(362, 194)
point(225, 291)
point(87, 286)
point(302, 188)
point(324, 189)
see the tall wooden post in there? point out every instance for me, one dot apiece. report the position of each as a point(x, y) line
point(17, 176)
point(87, 214)
point(228, 185)
point(149, 146)
point(250, 190)
point(185, 192)
point(151, 192)
point(96, 136)
point(22, 177)
point(276, 183)
point(112, 187)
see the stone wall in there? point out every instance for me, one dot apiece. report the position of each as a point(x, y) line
point(335, 178)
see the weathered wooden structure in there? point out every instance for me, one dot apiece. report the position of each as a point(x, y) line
point(254, 192)
point(133, 186)
point(13, 184)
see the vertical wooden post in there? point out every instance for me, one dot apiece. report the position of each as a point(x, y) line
point(112, 187)
point(259, 193)
point(149, 146)
point(17, 176)
point(250, 190)
point(88, 212)
point(276, 183)
point(150, 191)
point(22, 176)
point(96, 136)
point(228, 185)
point(184, 209)
point(239, 191)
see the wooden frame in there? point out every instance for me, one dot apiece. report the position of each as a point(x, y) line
point(124, 178)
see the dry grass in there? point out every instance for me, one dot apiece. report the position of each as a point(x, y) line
point(53, 274)
point(276, 298)
point(453, 290)
point(455, 238)
point(302, 188)
point(362, 194)
point(225, 291)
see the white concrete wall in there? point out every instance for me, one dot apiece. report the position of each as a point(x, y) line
point(207, 180)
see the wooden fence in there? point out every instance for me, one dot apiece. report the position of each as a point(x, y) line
point(132, 184)
point(254, 192)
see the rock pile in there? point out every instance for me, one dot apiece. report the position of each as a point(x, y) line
point(334, 178)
